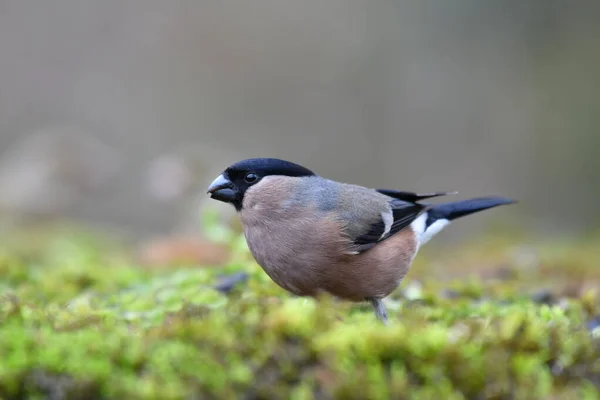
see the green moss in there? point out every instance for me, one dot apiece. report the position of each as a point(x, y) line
point(79, 319)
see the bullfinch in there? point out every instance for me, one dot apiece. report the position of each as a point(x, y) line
point(312, 235)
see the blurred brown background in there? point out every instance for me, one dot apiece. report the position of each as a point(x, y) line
point(119, 113)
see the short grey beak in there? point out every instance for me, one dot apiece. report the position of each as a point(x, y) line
point(222, 189)
point(220, 183)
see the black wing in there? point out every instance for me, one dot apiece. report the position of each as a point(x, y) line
point(411, 196)
point(404, 213)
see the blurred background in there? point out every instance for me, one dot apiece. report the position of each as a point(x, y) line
point(119, 114)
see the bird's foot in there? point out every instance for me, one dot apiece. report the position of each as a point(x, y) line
point(379, 309)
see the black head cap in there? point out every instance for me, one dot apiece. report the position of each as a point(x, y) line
point(231, 186)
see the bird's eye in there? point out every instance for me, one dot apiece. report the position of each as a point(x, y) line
point(251, 177)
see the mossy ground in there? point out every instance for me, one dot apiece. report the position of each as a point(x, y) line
point(502, 318)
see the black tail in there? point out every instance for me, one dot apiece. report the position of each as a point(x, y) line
point(457, 209)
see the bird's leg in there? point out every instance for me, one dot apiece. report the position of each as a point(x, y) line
point(379, 308)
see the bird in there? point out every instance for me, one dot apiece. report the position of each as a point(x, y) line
point(313, 235)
